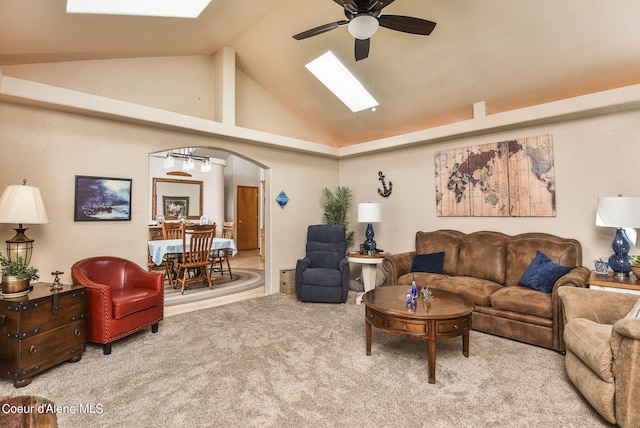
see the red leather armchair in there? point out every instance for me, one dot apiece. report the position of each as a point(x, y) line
point(122, 298)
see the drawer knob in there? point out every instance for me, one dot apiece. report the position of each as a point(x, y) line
point(455, 326)
point(76, 332)
point(404, 327)
point(370, 315)
point(32, 349)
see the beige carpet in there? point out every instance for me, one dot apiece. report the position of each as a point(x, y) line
point(243, 279)
point(276, 362)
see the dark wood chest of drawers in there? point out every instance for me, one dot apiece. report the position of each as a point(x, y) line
point(41, 330)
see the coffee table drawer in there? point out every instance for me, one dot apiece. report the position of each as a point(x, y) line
point(375, 318)
point(452, 326)
point(406, 326)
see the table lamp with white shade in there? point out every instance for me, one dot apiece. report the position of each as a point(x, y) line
point(21, 204)
point(369, 213)
point(619, 212)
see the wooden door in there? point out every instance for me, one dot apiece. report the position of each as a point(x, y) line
point(247, 218)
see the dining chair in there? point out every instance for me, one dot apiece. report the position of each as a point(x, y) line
point(196, 249)
point(218, 257)
point(171, 230)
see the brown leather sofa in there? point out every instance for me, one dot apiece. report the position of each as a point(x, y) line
point(122, 298)
point(485, 268)
point(602, 337)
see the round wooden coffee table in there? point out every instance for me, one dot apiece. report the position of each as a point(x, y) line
point(448, 315)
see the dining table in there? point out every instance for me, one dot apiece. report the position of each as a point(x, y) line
point(159, 248)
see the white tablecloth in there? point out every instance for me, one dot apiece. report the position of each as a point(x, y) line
point(159, 248)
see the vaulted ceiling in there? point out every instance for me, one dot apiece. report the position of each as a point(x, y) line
point(507, 53)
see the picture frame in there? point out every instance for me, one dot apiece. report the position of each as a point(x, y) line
point(102, 199)
point(173, 206)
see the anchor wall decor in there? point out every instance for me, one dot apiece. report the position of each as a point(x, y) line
point(385, 191)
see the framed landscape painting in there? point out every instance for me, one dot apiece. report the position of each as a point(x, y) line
point(102, 199)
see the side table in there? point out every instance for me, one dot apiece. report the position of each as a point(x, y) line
point(610, 282)
point(41, 330)
point(369, 267)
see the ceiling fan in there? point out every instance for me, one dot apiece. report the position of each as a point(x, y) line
point(363, 19)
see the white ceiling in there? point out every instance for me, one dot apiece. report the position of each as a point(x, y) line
point(508, 53)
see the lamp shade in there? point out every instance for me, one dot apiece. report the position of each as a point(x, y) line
point(22, 204)
point(369, 213)
point(618, 211)
point(363, 26)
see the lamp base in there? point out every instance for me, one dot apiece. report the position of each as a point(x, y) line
point(369, 244)
point(20, 246)
point(619, 262)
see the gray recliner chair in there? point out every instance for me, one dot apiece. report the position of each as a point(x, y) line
point(322, 276)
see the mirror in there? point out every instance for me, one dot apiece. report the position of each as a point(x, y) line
point(171, 197)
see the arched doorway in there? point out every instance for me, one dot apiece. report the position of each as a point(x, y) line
point(239, 173)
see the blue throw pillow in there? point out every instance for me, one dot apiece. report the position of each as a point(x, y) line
point(431, 263)
point(542, 273)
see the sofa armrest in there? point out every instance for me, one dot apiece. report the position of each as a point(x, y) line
point(602, 307)
point(398, 265)
point(627, 327)
point(578, 277)
point(301, 265)
point(344, 263)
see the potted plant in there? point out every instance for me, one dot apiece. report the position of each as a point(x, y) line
point(635, 265)
point(336, 206)
point(602, 265)
point(16, 275)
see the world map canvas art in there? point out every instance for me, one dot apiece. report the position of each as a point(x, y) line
point(514, 178)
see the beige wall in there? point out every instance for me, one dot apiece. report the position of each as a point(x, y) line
point(49, 148)
point(178, 84)
point(593, 157)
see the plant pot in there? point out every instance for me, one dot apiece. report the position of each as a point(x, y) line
point(636, 270)
point(13, 285)
point(601, 267)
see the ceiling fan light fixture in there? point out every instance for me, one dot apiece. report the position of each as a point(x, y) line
point(363, 26)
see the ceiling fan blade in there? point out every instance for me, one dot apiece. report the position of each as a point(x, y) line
point(350, 5)
point(321, 29)
point(407, 24)
point(385, 3)
point(362, 48)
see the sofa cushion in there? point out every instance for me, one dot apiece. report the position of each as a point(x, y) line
point(521, 249)
point(127, 301)
point(591, 343)
point(322, 277)
point(447, 241)
point(483, 255)
point(475, 290)
point(431, 263)
point(542, 273)
point(522, 300)
point(422, 279)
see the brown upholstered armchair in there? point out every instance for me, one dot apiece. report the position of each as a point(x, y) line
point(603, 351)
point(122, 298)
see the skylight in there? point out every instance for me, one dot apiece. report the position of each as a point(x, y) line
point(339, 80)
point(168, 8)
